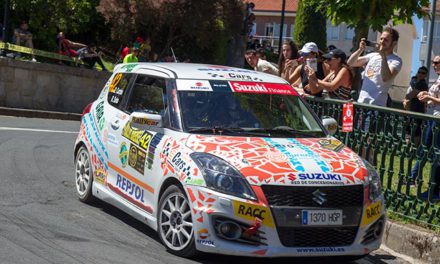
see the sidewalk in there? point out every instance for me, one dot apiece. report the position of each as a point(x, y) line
point(406, 240)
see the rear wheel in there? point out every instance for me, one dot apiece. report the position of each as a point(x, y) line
point(175, 225)
point(83, 175)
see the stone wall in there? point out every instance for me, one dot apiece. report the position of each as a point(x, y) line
point(33, 85)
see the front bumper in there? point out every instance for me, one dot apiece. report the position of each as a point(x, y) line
point(210, 208)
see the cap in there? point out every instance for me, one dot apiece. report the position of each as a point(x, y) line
point(309, 47)
point(139, 40)
point(336, 53)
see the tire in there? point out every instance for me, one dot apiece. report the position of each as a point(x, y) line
point(83, 176)
point(175, 225)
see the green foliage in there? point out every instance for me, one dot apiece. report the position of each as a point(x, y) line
point(77, 18)
point(364, 14)
point(196, 29)
point(310, 25)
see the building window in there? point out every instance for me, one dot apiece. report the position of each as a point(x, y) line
point(349, 33)
point(425, 30)
point(332, 31)
point(292, 28)
point(268, 31)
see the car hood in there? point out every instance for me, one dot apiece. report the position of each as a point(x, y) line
point(286, 161)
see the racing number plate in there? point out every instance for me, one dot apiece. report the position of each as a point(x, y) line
point(321, 217)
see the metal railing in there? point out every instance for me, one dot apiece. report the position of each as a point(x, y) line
point(393, 141)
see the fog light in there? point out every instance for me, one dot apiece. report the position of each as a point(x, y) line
point(378, 229)
point(229, 230)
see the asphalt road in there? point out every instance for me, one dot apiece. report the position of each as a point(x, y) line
point(42, 221)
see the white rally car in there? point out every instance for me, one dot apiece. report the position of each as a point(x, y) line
point(226, 160)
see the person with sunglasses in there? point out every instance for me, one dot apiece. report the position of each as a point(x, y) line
point(432, 100)
point(417, 84)
point(338, 82)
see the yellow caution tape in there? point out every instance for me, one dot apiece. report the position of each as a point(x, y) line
point(42, 53)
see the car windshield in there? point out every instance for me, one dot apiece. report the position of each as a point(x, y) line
point(245, 108)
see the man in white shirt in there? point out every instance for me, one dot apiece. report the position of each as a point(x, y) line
point(259, 64)
point(381, 68)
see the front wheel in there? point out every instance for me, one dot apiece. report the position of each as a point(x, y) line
point(175, 225)
point(83, 175)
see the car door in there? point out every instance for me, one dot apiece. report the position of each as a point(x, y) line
point(132, 167)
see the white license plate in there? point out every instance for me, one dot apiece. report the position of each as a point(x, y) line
point(321, 217)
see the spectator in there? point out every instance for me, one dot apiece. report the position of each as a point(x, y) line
point(331, 47)
point(259, 64)
point(22, 37)
point(432, 99)
point(417, 84)
point(90, 58)
point(412, 103)
point(381, 68)
point(338, 82)
point(67, 47)
point(309, 53)
point(133, 56)
point(144, 48)
point(124, 52)
point(288, 60)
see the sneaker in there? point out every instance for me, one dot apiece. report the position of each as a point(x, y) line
point(34, 60)
point(435, 196)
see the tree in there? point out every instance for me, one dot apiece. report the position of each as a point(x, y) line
point(77, 18)
point(310, 25)
point(198, 29)
point(364, 14)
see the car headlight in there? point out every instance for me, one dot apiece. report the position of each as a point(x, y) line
point(375, 185)
point(222, 177)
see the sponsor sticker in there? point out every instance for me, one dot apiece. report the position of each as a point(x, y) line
point(208, 243)
point(137, 158)
point(144, 121)
point(100, 176)
point(316, 178)
point(250, 212)
point(123, 154)
point(331, 144)
point(347, 117)
point(262, 88)
point(203, 233)
point(371, 213)
point(193, 85)
point(139, 137)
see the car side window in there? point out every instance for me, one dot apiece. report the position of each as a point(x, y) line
point(147, 95)
point(118, 88)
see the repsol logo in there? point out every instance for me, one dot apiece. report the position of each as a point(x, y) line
point(251, 211)
point(130, 188)
point(320, 176)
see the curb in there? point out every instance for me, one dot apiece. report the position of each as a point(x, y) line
point(412, 241)
point(31, 113)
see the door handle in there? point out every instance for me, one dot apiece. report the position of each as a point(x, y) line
point(115, 123)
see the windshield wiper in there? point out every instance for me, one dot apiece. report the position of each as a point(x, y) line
point(227, 130)
point(290, 131)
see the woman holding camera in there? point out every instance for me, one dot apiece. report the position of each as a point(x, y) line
point(310, 55)
point(338, 82)
point(288, 59)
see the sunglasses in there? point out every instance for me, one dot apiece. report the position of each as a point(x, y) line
point(435, 62)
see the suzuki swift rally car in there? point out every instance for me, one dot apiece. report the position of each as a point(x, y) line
point(226, 160)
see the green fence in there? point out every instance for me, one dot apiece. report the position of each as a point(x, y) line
point(392, 140)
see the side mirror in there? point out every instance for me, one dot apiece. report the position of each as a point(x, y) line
point(330, 124)
point(145, 121)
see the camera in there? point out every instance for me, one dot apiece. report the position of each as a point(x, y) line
point(370, 43)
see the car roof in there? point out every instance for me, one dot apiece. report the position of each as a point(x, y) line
point(198, 72)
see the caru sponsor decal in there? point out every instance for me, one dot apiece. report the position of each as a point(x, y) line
point(178, 162)
point(250, 212)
